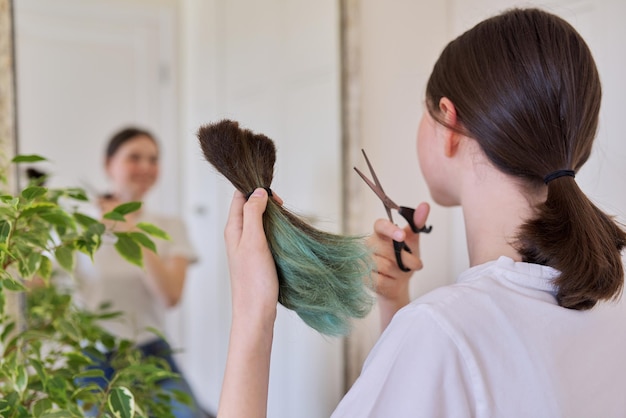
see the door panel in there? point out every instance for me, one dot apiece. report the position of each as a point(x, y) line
point(84, 70)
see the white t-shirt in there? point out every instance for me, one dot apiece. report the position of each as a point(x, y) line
point(495, 344)
point(110, 278)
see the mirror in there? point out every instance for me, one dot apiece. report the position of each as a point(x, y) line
point(86, 69)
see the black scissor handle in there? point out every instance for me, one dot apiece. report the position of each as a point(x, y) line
point(398, 246)
point(407, 213)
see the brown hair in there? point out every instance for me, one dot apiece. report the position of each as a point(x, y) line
point(123, 136)
point(526, 88)
point(320, 274)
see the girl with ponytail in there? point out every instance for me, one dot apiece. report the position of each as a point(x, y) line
point(536, 326)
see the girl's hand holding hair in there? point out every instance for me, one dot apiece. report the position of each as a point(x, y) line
point(254, 286)
point(254, 281)
point(392, 284)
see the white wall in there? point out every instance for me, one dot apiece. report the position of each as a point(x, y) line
point(400, 41)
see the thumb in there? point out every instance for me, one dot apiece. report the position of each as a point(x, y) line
point(421, 214)
point(253, 217)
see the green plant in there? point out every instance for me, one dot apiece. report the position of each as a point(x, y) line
point(49, 348)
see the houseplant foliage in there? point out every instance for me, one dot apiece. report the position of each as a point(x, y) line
point(47, 352)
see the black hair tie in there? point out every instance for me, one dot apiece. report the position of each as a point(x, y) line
point(267, 189)
point(558, 173)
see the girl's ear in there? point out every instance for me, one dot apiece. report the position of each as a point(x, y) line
point(451, 137)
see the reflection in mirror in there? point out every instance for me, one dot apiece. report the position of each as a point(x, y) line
point(87, 69)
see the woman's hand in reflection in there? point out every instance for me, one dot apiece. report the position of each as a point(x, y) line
point(254, 284)
point(392, 284)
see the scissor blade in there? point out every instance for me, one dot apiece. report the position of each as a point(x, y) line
point(381, 195)
point(373, 173)
point(375, 188)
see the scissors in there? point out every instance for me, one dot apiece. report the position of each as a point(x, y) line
point(407, 213)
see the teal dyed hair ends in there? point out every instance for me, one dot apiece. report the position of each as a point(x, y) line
point(323, 277)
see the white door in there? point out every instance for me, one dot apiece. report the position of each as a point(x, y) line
point(273, 66)
point(86, 69)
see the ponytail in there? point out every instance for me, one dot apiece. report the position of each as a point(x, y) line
point(576, 238)
point(535, 108)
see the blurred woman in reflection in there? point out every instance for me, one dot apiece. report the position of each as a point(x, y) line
point(142, 295)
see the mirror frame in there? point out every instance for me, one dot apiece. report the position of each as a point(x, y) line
point(8, 108)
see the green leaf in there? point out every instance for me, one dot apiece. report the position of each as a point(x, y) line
point(57, 414)
point(41, 406)
point(105, 305)
point(77, 194)
point(65, 257)
point(69, 329)
point(153, 230)
point(38, 208)
point(126, 208)
point(13, 285)
point(88, 243)
point(57, 389)
point(45, 268)
point(41, 372)
point(13, 202)
point(182, 397)
point(30, 265)
point(12, 398)
point(143, 240)
point(156, 332)
point(108, 341)
point(21, 379)
point(128, 249)
point(94, 353)
point(58, 218)
point(125, 345)
point(33, 192)
point(7, 331)
point(87, 392)
point(89, 373)
point(7, 213)
point(109, 315)
point(32, 158)
point(114, 216)
point(78, 359)
point(5, 408)
point(85, 220)
point(5, 230)
point(122, 402)
point(97, 229)
point(3, 301)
